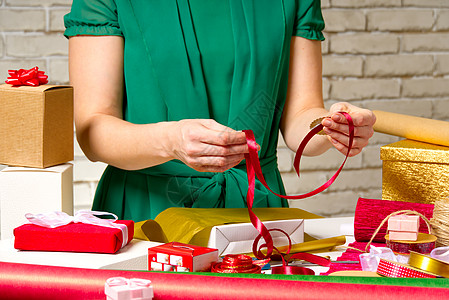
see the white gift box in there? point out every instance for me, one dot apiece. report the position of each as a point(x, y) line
point(30, 190)
point(119, 288)
point(238, 238)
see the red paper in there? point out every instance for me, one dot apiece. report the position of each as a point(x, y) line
point(369, 213)
point(74, 237)
point(32, 282)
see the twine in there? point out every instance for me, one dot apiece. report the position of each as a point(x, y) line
point(440, 222)
point(399, 212)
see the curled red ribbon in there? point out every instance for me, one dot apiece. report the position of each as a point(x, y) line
point(253, 169)
point(31, 77)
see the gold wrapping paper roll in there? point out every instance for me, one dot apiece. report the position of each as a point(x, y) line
point(414, 128)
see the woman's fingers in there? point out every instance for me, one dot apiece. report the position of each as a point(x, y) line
point(208, 146)
point(337, 129)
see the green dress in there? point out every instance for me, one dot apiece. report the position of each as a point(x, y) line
point(186, 59)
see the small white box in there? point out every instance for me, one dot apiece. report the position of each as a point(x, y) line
point(238, 238)
point(29, 190)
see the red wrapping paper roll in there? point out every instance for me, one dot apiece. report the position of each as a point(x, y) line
point(32, 282)
point(369, 213)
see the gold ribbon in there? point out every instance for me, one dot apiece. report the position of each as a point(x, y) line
point(429, 264)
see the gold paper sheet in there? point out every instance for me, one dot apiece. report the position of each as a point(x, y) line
point(193, 225)
point(410, 127)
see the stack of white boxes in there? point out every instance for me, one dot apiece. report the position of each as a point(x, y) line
point(36, 142)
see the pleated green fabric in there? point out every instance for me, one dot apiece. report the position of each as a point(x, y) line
point(220, 59)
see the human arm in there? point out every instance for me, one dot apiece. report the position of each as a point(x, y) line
point(96, 72)
point(304, 104)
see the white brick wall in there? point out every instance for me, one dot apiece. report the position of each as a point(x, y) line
point(389, 55)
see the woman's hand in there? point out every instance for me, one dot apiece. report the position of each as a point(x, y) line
point(336, 127)
point(207, 146)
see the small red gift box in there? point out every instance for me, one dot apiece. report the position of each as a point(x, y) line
point(181, 257)
point(73, 237)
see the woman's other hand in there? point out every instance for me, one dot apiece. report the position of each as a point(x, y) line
point(207, 146)
point(336, 127)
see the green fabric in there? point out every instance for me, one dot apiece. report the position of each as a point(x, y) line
point(226, 60)
point(417, 282)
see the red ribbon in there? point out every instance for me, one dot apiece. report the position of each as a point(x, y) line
point(253, 169)
point(31, 77)
point(238, 263)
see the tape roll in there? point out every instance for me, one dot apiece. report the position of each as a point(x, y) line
point(429, 264)
point(424, 244)
point(397, 270)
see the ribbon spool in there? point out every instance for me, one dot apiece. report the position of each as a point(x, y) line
point(429, 264)
point(426, 243)
point(397, 270)
point(253, 169)
point(440, 222)
point(238, 263)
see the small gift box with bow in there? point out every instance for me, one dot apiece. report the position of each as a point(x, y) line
point(181, 257)
point(119, 288)
point(403, 227)
point(84, 232)
point(36, 127)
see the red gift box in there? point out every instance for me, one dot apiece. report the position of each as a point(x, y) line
point(181, 257)
point(74, 237)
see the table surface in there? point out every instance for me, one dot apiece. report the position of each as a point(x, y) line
point(134, 255)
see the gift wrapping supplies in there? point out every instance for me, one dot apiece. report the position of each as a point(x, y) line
point(36, 141)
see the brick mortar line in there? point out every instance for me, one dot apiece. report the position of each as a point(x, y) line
point(4, 7)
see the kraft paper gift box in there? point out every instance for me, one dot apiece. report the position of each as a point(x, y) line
point(36, 125)
point(414, 171)
point(181, 257)
point(31, 190)
point(239, 238)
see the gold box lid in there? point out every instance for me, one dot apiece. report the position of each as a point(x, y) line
point(414, 151)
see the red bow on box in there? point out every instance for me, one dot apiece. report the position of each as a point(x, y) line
point(31, 77)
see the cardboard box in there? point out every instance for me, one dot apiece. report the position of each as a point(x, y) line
point(414, 172)
point(36, 125)
point(238, 238)
point(31, 190)
point(181, 257)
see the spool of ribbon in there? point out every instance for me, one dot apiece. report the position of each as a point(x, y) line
point(253, 169)
point(429, 264)
point(424, 245)
point(57, 219)
point(31, 77)
point(238, 263)
point(398, 270)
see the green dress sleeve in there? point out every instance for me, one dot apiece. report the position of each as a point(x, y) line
point(309, 21)
point(92, 17)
